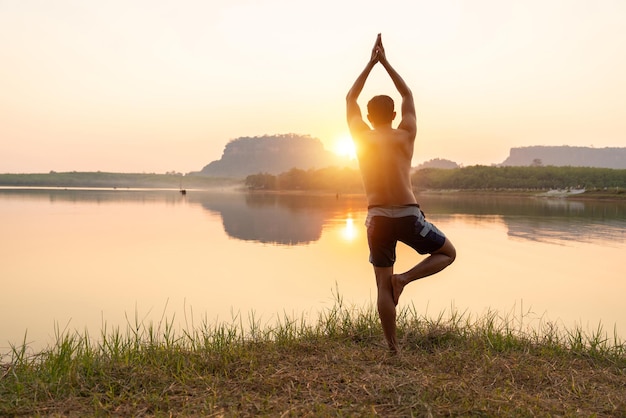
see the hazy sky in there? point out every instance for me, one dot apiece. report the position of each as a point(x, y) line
point(161, 85)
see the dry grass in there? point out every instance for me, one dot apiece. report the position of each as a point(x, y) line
point(336, 367)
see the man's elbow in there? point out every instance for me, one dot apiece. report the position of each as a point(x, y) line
point(352, 96)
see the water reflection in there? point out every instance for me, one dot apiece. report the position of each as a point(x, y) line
point(298, 219)
point(349, 230)
point(540, 219)
point(282, 219)
point(79, 195)
point(96, 255)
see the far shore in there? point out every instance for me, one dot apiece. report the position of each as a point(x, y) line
point(238, 186)
point(190, 183)
point(586, 195)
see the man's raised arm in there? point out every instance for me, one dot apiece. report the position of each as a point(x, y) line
point(355, 119)
point(409, 118)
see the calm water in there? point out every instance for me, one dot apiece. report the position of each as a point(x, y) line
point(80, 259)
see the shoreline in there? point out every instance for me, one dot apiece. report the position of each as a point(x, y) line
point(587, 195)
point(603, 195)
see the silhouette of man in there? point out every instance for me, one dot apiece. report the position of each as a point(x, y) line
point(384, 156)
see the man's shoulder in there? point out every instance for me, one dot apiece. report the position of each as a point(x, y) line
point(409, 125)
point(358, 128)
point(362, 133)
point(394, 134)
point(404, 134)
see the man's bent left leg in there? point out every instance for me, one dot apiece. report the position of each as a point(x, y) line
point(434, 263)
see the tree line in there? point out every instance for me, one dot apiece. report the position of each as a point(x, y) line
point(331, 178)
point(466, 178)
point(515, 177)
point(348, 180)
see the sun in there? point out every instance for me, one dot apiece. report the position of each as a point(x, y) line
point(344, 146)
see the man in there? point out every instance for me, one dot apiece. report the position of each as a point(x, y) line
point(385, 155)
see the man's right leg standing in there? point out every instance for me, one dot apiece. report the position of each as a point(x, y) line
point(386, 305)
point(382, 256)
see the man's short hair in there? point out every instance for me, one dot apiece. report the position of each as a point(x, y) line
point(380, 109)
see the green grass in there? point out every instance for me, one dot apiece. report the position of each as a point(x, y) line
point(452, 365)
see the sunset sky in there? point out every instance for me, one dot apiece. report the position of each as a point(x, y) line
point(163, 85)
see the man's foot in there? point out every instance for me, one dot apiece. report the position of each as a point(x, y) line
point(393, 354)
point(398, 286)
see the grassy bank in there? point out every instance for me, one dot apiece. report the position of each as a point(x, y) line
point(337, 366)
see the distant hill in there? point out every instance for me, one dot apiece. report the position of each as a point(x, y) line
point(438, 163)
point(567, 156)
point(270, 154)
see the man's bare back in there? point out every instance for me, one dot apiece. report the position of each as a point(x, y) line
point(385, 156)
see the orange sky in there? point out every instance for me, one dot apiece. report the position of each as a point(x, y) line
point(161, 85)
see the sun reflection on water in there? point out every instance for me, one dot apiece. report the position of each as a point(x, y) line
point(348, 232)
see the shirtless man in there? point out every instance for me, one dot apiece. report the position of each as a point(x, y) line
point(384, 155)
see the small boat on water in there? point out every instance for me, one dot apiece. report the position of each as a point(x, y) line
point(562, 192)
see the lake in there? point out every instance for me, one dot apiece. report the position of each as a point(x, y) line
point(89, 260)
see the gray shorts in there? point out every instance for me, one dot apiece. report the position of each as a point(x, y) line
point(386, 225)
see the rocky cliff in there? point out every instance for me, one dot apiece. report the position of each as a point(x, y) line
point(567, 156)
point(270, 154)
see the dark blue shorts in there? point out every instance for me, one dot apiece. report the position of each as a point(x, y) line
point(383, 233)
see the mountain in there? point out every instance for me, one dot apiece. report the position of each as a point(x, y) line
point(273, 154)
point(438, 163)
point(567, 156)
